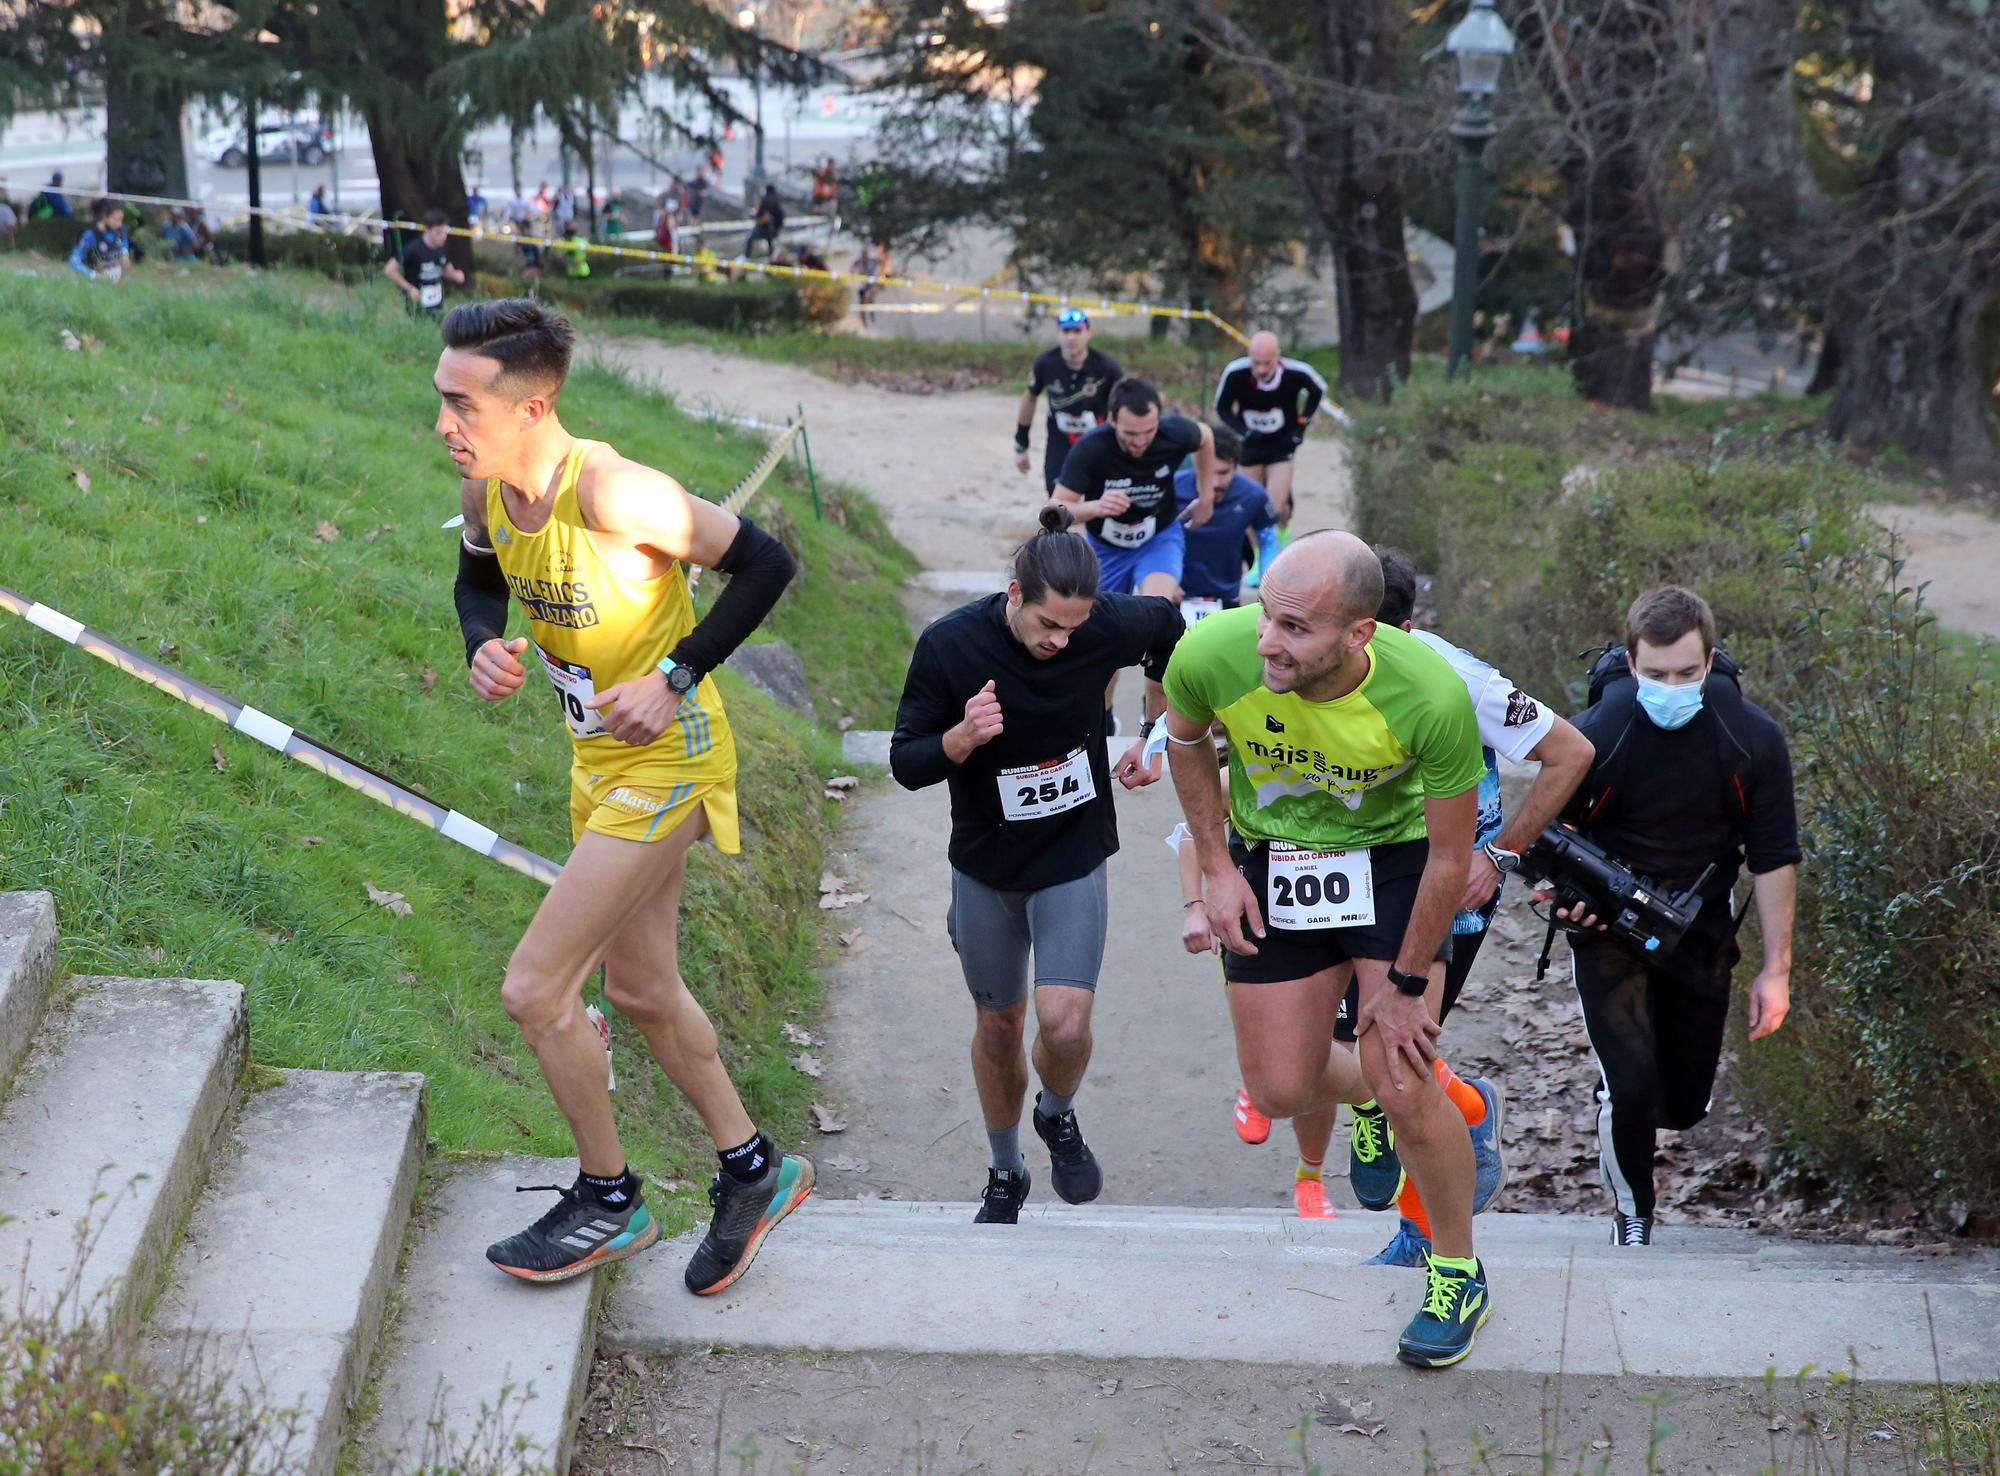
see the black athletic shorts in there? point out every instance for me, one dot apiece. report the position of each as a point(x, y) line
point(1267, 450)
point(1053, 457)
point(1283, 954)
point(1464, 949)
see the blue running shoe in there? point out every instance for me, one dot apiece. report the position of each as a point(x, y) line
point(1456, 1306)
point(1373, 1170)
point(1489, 1159)
point(1410, 1247)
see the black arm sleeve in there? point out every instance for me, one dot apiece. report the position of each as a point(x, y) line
point(480, 593)
point(1771, 827)
point(916, 747)
point(759, 569)
point(1156, 632)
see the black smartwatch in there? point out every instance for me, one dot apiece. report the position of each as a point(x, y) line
point(681, 679)
point(1409, 984)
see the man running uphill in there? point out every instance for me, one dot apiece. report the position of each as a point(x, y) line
point(1077, 379)
point(1004, 703)
point(1354, 776)
point(592, 546)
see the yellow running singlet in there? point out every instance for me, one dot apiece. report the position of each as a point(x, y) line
point(592, 628)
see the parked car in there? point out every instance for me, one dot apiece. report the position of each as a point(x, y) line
point(277, 141)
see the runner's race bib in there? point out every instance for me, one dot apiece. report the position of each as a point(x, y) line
point(1127, 535)
point(1319, 889)
point(430, 294)
point(1037, 791)
point(1075, 425)
point(574, 688)
point(1264, 422)
point(1193, 609)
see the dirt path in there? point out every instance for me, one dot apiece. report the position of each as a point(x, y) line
point(1956, 549)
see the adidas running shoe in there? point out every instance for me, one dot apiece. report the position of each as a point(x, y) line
point(1631, 1229)
point(1489, 1159)
point(578, 1234)
point(1456, 1306)
point(1006, 1192)
point(1411, 1247)
point(1072, 1166)
point(1252, 1126)
point(1309, 1198)
point(744, 1215)
point(1373, 1169)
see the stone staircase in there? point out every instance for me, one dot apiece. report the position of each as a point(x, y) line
point(270, 1221)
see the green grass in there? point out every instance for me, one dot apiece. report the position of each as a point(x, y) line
point(218, 428)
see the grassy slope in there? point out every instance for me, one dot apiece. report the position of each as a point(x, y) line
point(217, 427)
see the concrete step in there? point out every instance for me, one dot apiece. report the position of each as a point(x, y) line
point(108, 1131)
point(474, 1352)
point(27, 965)
point(1261, 1287)
point(292, 1251)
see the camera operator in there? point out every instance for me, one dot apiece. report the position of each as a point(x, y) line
point(1688, 773)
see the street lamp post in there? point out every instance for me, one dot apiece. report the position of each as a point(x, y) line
point(754, 186)
point(1480, 44)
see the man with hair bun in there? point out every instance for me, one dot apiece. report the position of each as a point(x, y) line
point(593, 546)
point(1004, 705)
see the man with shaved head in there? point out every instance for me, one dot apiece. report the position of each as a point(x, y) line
point(1269, 400)
point(1354, 769)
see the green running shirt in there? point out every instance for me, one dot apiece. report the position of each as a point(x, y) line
point(1330, 775)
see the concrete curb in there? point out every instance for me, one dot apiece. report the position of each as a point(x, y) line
point(1261, 1287)
point(469, 1339)
point(288, 1262)
point(28, 942)
point(140, 1072)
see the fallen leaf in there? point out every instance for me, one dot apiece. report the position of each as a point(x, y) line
point(200, 518)
point(325, 532)
point(391, 900)
point(312, 840)
point(69, 420)
point(70, 341)
point(840, 1161)
point(221, 761)
point(832, 901)
point(842, 781)
point(93, 345)
point(836, 795)
point(798, 1036)
point(81, 478)
point(1600, 1444)
point(828, 882)
point(1106, 1388)
point(526, 1131)
point(851, 937)
point(156, 954)
point(844, 724)
point(824, 1120)
point(430, 679)
point(149, 420)
point(634, 1364)
point(1357, 1418)
point(807, 1064)
point(231, 401)
point(404, 976)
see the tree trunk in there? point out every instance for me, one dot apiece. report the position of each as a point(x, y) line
point(1913, 381)
point(1619, 276)
point(416, 175)
point(142, 109)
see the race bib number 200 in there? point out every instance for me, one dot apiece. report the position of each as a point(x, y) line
point(1037, 791)
point(1319, 889)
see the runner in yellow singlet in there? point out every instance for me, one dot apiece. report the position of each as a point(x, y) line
point(593, 547)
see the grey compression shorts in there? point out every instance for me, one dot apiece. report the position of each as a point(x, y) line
point(993, 932)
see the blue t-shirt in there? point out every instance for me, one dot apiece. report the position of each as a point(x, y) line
point(1212, 569)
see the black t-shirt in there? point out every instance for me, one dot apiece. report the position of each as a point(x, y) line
point(1096, 465)
point(1285, 408)
point(1668, 803)
point(423, 269)
point(1032, 808)
point(1080, 398)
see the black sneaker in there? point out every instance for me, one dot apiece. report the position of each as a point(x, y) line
point(1006, 1192)
point(1073, 1167)
point(579, 1234)
point(1631, 1229)
point(744, 1215)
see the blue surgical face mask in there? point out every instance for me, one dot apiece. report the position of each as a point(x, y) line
point(1671, 706)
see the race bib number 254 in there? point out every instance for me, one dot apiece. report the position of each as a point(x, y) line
point(1037, 791)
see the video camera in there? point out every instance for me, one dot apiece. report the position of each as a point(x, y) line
point(1640, 916)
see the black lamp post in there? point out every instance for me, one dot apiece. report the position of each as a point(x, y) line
point(1480, 44)
point(754, 186)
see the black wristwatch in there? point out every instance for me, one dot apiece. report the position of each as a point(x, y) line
point(681, 679)
point(1410, 984)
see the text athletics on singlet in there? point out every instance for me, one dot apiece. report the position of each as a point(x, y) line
point(594, 627)
point(1330, 775)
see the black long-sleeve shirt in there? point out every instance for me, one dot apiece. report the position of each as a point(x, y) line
point(1053, 736)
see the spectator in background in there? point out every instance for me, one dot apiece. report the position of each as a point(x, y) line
point(9, 223)
point(422, 270)
point(316, 210)
point(475, 206)
point(697, 195)
point(611, 224)
point(103, 251)
point(520, 212)
point(769, 220)
point(672, 200)
point(565, 208)
point(574, 252)
point(179, 237)
point(204, 239)
point(52, 203)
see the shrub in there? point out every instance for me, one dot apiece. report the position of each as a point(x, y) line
point(1887, 1076)
point(751, 305)
point(344, 258)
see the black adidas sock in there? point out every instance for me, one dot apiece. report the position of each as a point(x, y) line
point(621, 1192)
point(747, 1162)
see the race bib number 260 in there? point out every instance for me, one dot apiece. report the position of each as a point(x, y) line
point(1319, 889)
